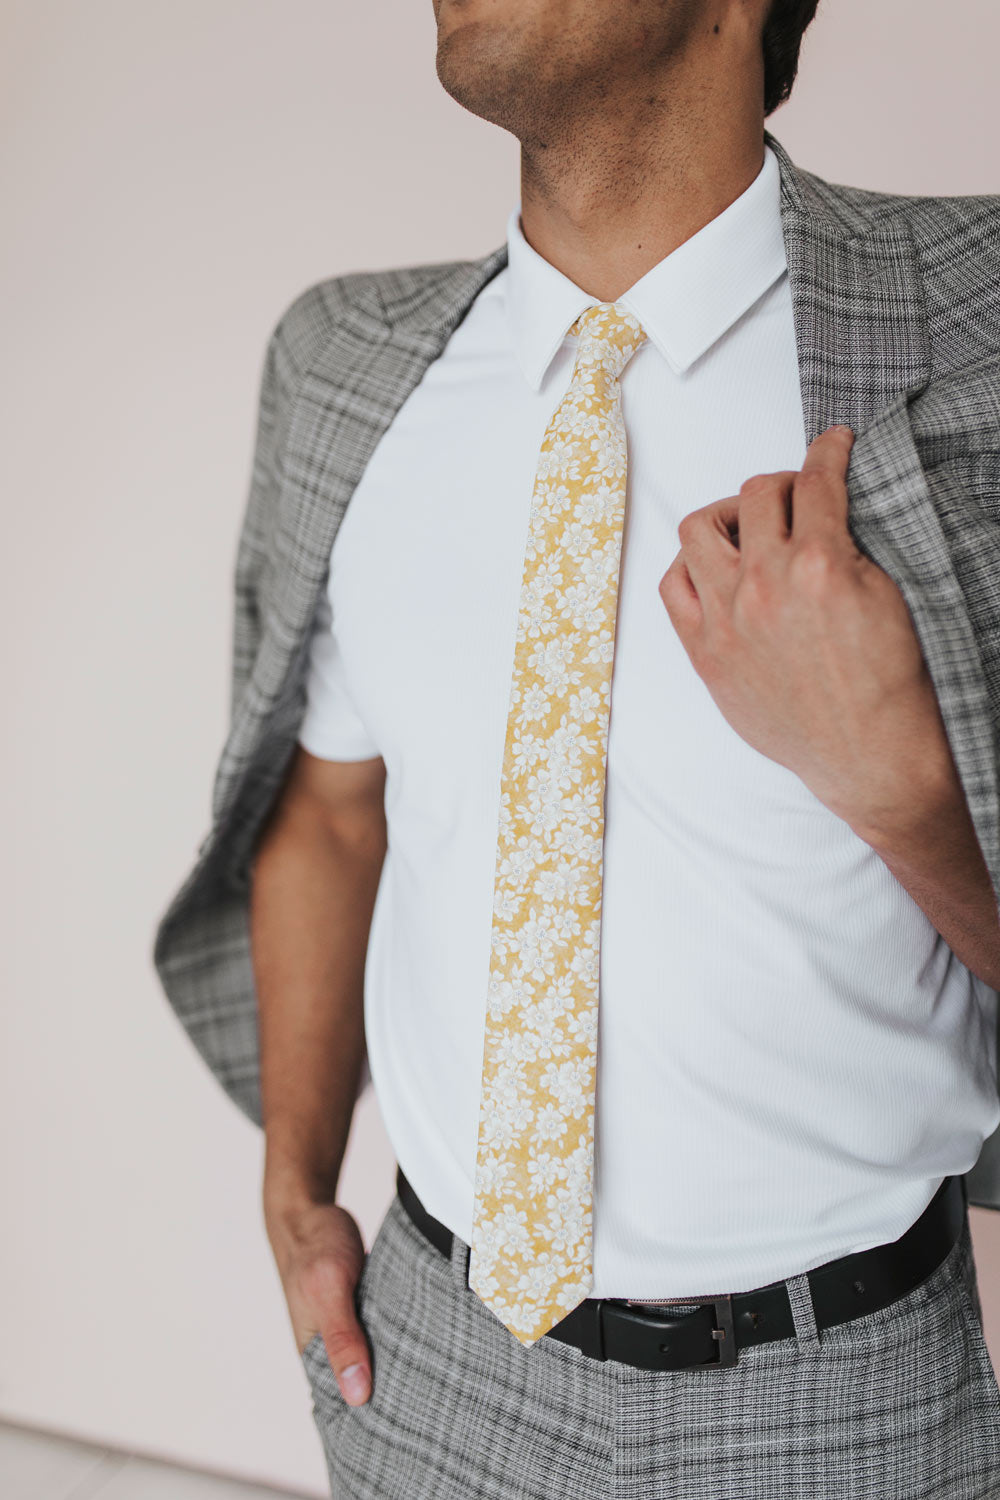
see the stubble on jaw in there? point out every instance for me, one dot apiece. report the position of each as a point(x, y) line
point(603, 73)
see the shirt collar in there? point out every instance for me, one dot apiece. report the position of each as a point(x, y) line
point(685, 302)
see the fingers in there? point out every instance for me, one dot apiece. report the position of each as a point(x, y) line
point(347, 1347)
point(680, 598)
point(727, 539)
point(708, 553)
point(819, 497)
point(764, 507)
point(830, 451)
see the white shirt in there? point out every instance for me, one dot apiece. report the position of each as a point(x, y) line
point(790, 1058)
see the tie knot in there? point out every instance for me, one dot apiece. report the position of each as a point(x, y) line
point(609, 335)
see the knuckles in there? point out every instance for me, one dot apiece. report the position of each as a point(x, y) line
point(812, 565)
point(765, 484)
point(758, 484)
point(673, 592)
point(808, 480)
point(755, 592)
point(689, 526)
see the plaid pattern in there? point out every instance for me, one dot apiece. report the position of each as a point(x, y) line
point(899, 1405)
point(898, 332)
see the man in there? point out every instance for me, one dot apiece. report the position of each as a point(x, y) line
point(621, 445)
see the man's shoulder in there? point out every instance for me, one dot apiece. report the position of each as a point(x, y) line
point(952, 222)
point(360, 307)
point(955, 241)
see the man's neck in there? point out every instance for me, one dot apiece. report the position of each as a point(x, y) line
point(622, 193)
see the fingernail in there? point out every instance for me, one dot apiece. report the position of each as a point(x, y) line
point(840, 427)
point(355, 1382)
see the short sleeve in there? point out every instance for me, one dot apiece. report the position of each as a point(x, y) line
point(331, 727)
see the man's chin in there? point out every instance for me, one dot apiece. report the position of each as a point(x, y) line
point(473, 60)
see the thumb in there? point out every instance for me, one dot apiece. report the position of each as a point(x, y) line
point(830, 450)
point(347, 1348)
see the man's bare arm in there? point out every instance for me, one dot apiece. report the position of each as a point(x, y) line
point(930, 845)
point(315, 877)
point(811, 653)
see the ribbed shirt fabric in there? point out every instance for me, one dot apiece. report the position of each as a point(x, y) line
point(790, 1058)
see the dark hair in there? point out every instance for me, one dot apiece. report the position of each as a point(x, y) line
point(782, 37)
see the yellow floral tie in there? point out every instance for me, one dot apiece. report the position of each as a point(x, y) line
point(531, 1260)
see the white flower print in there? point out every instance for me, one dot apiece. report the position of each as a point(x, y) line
point(551, 884)
point(580, 843)
point(506, 903)
point(566, 924)
point(511, 1228)
point(505, 1087)
point(544, 1170)
point(513, 1048)
point(516, 867)
point(582, 1028)
point(585, 705)
point(554, 663)
point(559, 499)
point(596, 503)
point(585, 964)
point(567, 1223)
point(534, 704)
point(531, 1240)
point(506, 995)
point(584, 607)
point(527, 749)
point(567, 743)
point(566, 1082)
point(550, 1124)
point(601, 649)
point(482, 1282)
point(577, 540)
point(536, 1279)
point(536, 951)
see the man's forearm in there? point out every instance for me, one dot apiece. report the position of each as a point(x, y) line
point(930, 845)
point(811, 654)
point(312, 897)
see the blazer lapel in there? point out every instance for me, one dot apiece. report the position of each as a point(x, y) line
point(865, 359)
point(858, 302)
point(861, 336)
point(861, 339)
point(345, 403)
point(895, 521)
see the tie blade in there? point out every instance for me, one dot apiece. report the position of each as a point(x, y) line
point(532, 1265)
point(532, 1224)
point(529, 1313)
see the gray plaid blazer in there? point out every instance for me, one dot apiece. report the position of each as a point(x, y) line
point(897, 314)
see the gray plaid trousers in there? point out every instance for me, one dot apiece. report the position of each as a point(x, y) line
point(900, 1404)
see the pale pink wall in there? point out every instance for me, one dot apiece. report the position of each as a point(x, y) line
point(173, 176)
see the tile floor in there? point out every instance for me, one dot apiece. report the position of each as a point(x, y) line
point(37, 1465)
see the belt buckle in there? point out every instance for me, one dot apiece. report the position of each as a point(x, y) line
point(724, 1333)
point(723, 1329)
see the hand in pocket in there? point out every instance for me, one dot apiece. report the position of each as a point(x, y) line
point(320, 1255)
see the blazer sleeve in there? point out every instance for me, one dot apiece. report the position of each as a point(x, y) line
point(259, 515)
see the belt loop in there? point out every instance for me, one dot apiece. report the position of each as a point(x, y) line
point(803, 1311)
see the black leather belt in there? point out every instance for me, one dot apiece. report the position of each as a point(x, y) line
point(712, 1335)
